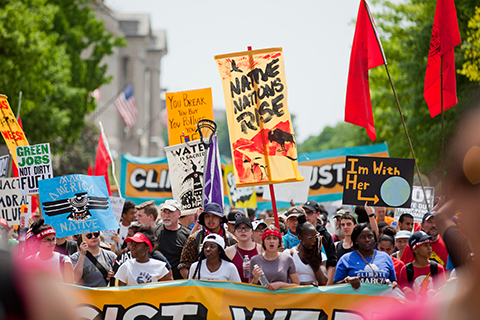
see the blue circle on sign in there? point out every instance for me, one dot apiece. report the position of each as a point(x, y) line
point(395, 191)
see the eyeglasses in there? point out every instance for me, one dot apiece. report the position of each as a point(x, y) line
point(94, 235)
point(243, 229)
point(312, 237)
point(260, 229)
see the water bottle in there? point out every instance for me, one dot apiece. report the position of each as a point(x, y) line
point(246, 271)
point(263, 279)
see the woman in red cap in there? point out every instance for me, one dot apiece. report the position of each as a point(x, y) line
point(277, 268)
point(141, 269)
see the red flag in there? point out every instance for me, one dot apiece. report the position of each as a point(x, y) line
point(90, 170)
point(103, 159)
point(445, 36)
point(367, 53)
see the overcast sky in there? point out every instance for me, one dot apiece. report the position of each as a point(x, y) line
point(316, 38)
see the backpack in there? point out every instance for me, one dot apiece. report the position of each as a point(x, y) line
point(200, 234)
point(409, 268)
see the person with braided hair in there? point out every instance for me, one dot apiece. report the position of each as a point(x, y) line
point(310, 261)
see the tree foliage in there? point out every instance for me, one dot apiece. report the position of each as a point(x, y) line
point(78, 156)
point(41, 46)
point(471, 67)
point(405, 30)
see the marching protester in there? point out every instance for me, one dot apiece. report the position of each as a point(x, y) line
point(405, 222)
point(387, 245)
point(259, 227)
point(245, 249)
point(365, 264)
point(347, 223)
point(92, 265)
point(171, 235)
point(401, 241)
point(439, 250)
point(4, 236)
point(128, 217)
point(141, 268)
point(127, 254)
point(422, 276)
point(56, 262)
point(290, 239)
point(381, 215)
point(314, 211)
point(232, 217)
point(309, 259)
point(213, 263)
point(147, 213)
point(212, 220)
point(272, 269)
point(338, 234)
point(187, 220)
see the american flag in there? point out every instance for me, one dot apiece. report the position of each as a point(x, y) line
point(126, 106)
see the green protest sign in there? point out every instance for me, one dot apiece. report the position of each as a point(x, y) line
point(385, 182)
point(34, 163)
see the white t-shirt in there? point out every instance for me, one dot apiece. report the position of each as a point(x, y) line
point(123, 234)
point(132, 272)
point(53, 263)
point(226, 272)
point(305, 272)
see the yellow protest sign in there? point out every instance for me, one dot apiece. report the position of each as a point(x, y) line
point(261, 133)
point(239, 197)
point(184, 110)
point(11, 130)
point(212, 300)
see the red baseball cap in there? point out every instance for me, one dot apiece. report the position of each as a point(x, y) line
point(139, 238)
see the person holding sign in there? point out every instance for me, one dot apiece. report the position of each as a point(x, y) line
point(365, 264)
point(92, 265)
point(59, 263)
point(141, 269)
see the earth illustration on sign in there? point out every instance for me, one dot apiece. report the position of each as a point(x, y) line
point(395, 191)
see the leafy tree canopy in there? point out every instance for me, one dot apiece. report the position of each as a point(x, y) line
point(41, 46)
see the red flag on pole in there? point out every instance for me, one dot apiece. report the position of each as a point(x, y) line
point(445, 36)
point(90, 170)
point(103, 159)
point(367, 53)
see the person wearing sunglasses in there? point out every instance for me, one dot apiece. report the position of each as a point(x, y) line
point(45, 237)
point(92, 265)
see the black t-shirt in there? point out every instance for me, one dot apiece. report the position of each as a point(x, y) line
point(171, 244)
point(69, 247)
point(341, 250)
point(458, 246)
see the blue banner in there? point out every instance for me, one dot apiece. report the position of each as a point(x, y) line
point(76, 204)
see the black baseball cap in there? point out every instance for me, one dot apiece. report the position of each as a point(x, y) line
point(245, 220)
point(418, 238)
point(311, 205)
point(234, 214)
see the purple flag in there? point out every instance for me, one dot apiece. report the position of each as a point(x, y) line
point(213, 187)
